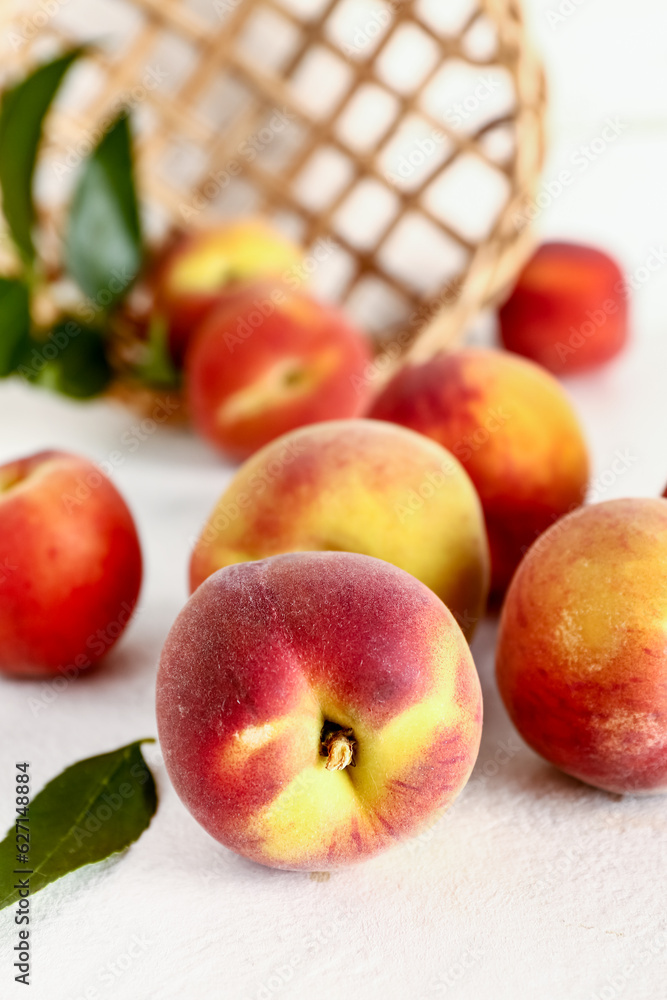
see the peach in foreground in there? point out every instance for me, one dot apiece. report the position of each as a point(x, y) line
point(316, 708)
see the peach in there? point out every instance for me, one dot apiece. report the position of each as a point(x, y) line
point(315, 708)
point(356, 486)
point(582, 654)
point(205, 267)
point(70, 565)
point(569, 309)
point(269, 361)
point(514, 431)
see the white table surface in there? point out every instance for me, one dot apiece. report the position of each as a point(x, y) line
point(533, 886)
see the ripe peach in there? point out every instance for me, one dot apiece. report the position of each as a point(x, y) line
point(582, 655)
point(205, 267)
point(356, 486)
point(317, 707)
point(515, 433)
point(569, 309)
point(70, 565)
point(269, 361)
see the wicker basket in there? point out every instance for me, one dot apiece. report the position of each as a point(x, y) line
point(398, 141)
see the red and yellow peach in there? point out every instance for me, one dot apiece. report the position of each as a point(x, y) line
point(356, 486)
point(70, 568)
point(316, 708)
point(568, 310)
point(204, 268)
point(582, 654)
point(514, 431)
point(269, 361)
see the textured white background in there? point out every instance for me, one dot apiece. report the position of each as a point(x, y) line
point(533, 886)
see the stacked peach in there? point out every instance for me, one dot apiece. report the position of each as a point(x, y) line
point(260, 357)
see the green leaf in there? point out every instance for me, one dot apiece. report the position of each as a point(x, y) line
point(157, 367)
point(14, 322)
point(93, 809)
point(72, 361)
point(103, 247)
point(22, 114)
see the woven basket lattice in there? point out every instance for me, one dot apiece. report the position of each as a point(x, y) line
point(399, 142)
